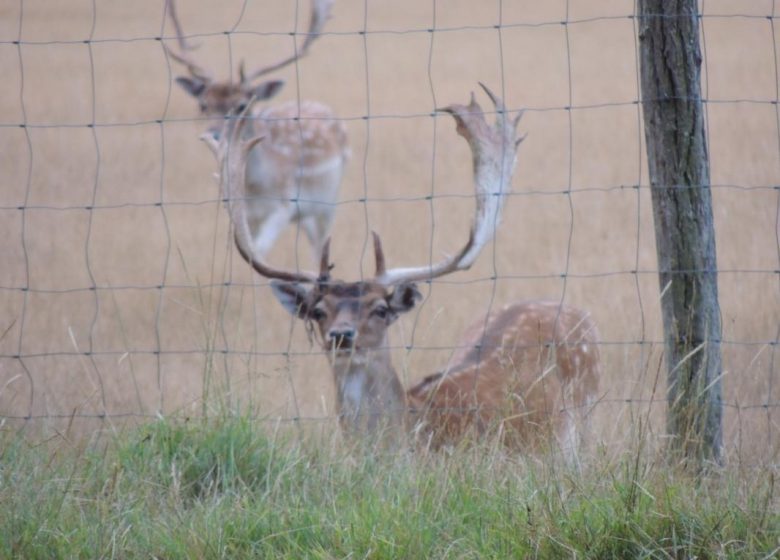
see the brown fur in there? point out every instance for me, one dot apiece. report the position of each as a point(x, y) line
point(523, 371)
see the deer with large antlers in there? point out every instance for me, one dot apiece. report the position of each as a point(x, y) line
point(295, 175)
point(529, 370)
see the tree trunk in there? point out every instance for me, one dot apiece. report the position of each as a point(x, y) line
point(670, 66)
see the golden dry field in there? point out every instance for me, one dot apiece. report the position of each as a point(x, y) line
point(121, 293)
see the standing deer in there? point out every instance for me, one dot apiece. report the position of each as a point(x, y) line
point(294, 176)
point(529, 371)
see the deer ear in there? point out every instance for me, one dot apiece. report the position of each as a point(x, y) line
point(193, 86)
point(404, 297)
point(266, 90)
point(294, 297)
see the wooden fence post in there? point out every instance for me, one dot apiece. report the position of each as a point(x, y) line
point(670, 68)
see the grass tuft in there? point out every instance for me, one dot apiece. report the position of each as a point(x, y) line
point(222, 488)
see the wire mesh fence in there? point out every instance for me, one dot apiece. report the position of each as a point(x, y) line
point(121, 297)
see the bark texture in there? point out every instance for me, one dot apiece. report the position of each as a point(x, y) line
point(670, 67)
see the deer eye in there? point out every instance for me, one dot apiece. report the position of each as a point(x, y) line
point(381, 311)
point(317, 314)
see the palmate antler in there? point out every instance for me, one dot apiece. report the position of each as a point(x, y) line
point(494, 150)
point(320, 13)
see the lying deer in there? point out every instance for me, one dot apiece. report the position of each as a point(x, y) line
point(529, 370)
point(294, 176)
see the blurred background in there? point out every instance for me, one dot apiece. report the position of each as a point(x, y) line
point(121, 296)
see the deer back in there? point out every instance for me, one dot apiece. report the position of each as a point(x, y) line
point(518, 371)
point(302, 143)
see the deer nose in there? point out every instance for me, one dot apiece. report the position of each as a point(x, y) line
point(342, 337)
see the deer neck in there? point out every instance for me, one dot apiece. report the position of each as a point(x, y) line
point(369, 395)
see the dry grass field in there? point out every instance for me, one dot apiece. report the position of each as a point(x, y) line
point(120, 291)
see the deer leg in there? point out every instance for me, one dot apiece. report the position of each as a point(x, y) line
point(266, 230)
point(573, 425)
point(317, 227)
point(569, 437)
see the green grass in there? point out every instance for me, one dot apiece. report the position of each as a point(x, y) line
point(225, 488)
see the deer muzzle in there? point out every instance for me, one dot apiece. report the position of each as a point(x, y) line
point(341, 338)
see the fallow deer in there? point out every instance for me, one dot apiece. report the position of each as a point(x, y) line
point(295, 175)
point(529, 370)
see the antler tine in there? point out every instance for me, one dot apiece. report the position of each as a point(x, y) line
point(231, 152)
point(325, 262)
point(494, 151)
point(320, 13)
point(180, 57)
point(379, 255)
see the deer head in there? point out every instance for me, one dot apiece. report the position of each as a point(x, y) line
point(216, 98)
point(350, 317)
